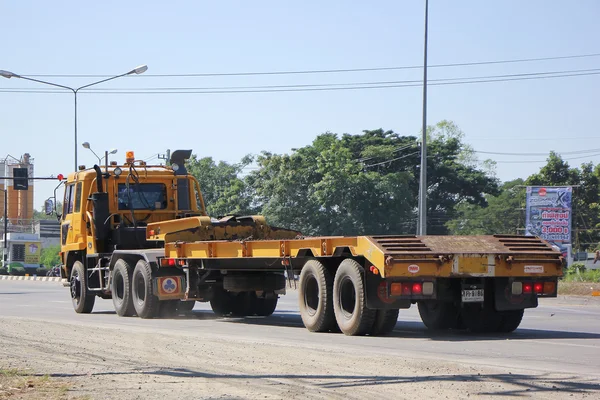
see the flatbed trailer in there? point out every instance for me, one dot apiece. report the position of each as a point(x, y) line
point(140, 235)
point(358, 284)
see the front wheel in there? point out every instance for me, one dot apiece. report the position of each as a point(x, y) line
point(144, 300)
point(83, 300)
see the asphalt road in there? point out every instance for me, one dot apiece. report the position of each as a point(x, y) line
point(560, 336)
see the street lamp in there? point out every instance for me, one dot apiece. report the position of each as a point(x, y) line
point(86, 145)
point(138, 70)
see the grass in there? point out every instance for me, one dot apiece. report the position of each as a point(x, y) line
point(20, 385)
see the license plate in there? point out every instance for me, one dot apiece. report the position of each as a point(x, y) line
point(472, 295)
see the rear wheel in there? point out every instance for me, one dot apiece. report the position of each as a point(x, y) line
point(385, 322)
point(83, 300)
point(121, 289)
point(144, 300)
point(438, 315)
point(481, 319)
point(185, 306)
point(221, 302)
point(264, 307)
point(315, 297)
point(349, 302)
point(511, 320)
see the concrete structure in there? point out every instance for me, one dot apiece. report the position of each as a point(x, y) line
point(23, 249)
point(20, 202)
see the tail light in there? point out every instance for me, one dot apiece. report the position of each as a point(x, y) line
point(409, 289)
point(547, 288)
point(538, 287)
point(527, 288)
point(167, 262)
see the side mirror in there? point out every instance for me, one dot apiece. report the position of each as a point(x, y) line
point(49, 207)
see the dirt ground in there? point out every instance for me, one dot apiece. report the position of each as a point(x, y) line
point(132, 363)
point(578, 288)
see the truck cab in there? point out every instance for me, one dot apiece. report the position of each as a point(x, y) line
point(106, 210)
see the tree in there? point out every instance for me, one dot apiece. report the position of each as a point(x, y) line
point(368, 183)
point(49, 256)
point(223, 191)
point(502, 215)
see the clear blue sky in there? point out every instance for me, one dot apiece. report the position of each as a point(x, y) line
point(112, 37)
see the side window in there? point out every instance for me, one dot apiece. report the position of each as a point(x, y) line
point(78, 197)
point(68, 203)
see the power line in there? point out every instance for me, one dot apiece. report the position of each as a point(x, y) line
point(543, 161)
point(325, 71)
point(308, 89)
point(537, 154)
point(348, 85)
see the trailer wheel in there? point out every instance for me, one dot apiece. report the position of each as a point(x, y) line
point(349, 300)
point(264, 307)
point(385, 322)
point(168, 308)
point(121, 289)
point(145, 302)
point(315, 297)
point(83, 300)
point(185, 306)
point(439, 315)
point(511, 320)
point(481, 319)
point(221, 302)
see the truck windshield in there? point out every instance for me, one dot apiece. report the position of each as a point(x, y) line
point(142, 196)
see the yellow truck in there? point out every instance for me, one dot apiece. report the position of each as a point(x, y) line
point(140, 235)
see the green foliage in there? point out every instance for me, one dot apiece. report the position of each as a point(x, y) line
point(49, 256)
point(578, 273)
point(223, 191)
point(3, 271)
point(502, 215)
point(16, 269)
point(367, 184)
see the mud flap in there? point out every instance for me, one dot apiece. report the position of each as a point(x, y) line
point(505, 300)
point(377, 294)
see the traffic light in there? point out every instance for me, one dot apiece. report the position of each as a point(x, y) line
point(20, 181)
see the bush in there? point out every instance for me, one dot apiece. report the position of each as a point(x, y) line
point(42, 271)
point(16, 270)
point(3, 271)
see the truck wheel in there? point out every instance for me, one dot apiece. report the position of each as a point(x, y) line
point(185, 306)
point(265, 306)
point(481, 319)
point(168, 308)
point(221, 302)
point(349, 300)
point(243, 304)
point(385, 322)
point(315, 297)
point(439, 315)
point(511, 320)
point(145, 302)
point(83, 300)
point(121, 289)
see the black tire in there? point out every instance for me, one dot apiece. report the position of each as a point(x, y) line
point(221, 302)
point(315, 297)
point(83, 300)
point(144, 300)
point(265, 307)
point(481, 319)
point(243, 304)
point(185, 306)
point(121, 289)
point(511, 320)
point(385, 322)
point(168, 308)
point(439, 315)
point(349, 300)
point(250, 282)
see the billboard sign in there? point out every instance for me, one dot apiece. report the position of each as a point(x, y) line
point(548, 214)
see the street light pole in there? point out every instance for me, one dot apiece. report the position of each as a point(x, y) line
point(423, 179)
point(138, 70)
point(4, 253)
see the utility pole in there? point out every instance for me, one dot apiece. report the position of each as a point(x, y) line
point(166, 157)
point(423, 179)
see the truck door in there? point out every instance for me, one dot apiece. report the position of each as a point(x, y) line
point(72, 220)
